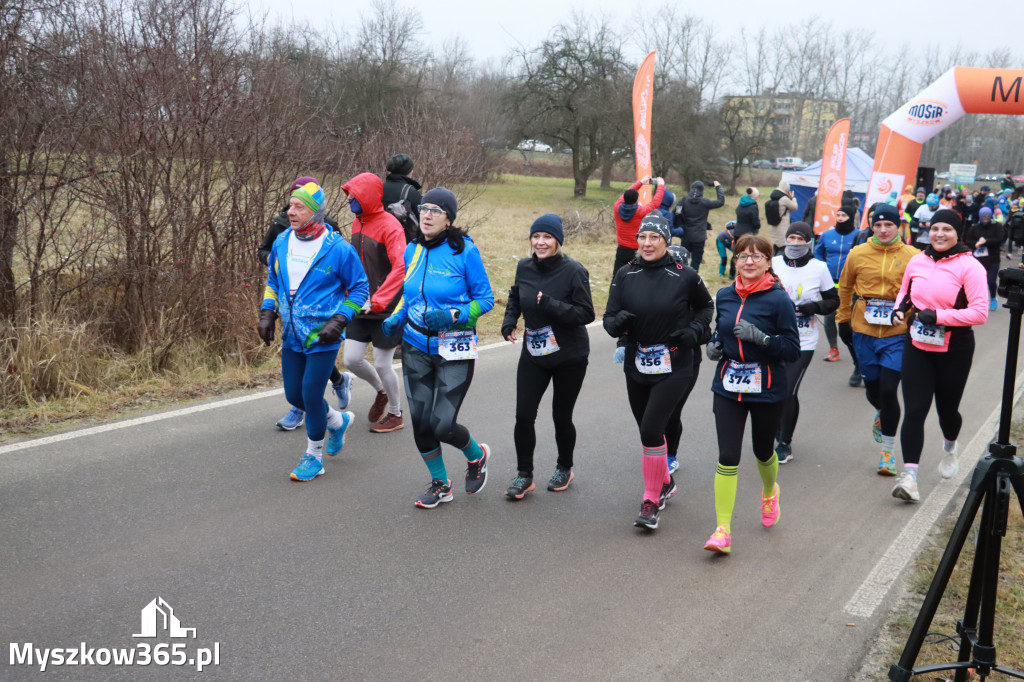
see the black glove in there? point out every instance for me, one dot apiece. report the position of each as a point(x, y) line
point(809, 308)
point(622, 321)
point(331, 331)
point(266, 326)
point(927, 316)
point(744, 331)
point(686, 338)
point(714, 351)
point(506, 330)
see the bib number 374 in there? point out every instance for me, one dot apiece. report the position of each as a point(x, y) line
point(742, 377)
point(457, 345)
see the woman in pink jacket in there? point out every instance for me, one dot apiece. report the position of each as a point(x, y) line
point(947, 290)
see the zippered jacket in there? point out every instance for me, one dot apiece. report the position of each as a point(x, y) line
point(833, 248)
point(379, 239)
point(872, 271)
point(691, 213)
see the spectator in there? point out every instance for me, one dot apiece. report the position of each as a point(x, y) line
point(748, 221)
point(691, 214)
point(786, 204)
point(627, 215)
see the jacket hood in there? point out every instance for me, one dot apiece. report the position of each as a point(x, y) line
point(776, 194)
point(667, 200)
point(696, 191)
point(627, 211)
point(397, 177)
point(784, 186)
point(368, 190)
point(745, 200)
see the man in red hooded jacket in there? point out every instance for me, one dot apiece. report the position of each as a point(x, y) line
point(379, 239)
point(628, 215)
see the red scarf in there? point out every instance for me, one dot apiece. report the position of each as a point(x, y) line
point(309, 231)
point(767, 281)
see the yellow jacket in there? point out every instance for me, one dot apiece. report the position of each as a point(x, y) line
point(872, 271)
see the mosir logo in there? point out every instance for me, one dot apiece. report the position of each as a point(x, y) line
point(926, 112)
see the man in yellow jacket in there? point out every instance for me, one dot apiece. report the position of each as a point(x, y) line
point(868, 286)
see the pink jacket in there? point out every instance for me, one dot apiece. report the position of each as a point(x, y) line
point(937, 285)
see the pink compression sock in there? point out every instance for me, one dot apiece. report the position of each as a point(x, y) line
point(655, 463)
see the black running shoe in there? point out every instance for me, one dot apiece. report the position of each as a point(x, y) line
point(476, 472)
point(668, 490)
point(520, 486)
point(437, 492)
point(649, 515)
point(561, 480)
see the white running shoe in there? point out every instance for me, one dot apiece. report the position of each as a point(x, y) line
point(949, 464)
point(906, 488)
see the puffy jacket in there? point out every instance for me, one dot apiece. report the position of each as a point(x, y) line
point(334, 285)
point(833, 248)
point(872, 271)
point(379, 239)
point(567, 307)
point(436, 277)
point(691, 213)
point(787, 205)
point(771, 311)
point(748, 220)
point(628, 216)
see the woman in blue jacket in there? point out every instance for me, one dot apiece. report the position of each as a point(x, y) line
point(756, 336)
point(316, 284)
point(446, 290)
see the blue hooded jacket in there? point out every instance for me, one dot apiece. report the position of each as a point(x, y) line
point(833, 248)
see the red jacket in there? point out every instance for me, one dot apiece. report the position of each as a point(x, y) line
point(627, 227)
point(379, 240)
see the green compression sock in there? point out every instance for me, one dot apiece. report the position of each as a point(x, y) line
point(473, 451)
point(435, 463)
point(725, 494)
point(769, 474)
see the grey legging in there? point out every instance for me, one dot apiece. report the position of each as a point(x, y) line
point(434, 390)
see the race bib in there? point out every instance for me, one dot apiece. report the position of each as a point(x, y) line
point(541, 341)
point(653, 359)
point(805, 324)
point(932, 334)
point(742, 377)
point(878, 311)
point(981, 252)
point(457, 345)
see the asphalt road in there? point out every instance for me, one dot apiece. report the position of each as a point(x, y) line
point(344, 579)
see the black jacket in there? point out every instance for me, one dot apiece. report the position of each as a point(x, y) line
point(393, 186)
point(994, 234)
point(672, 307)
point(567, 307)
point(691, 212)
point(748, 220)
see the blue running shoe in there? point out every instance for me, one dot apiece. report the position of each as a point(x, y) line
point(293, 420)
point(876, 427)
point(309, 468)
point(343, 390)
point(673, 464)
point(336, 437)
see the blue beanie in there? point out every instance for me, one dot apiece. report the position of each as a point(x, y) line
point(551, 224)
point(442, 197)
point(886, 212)
point(985, 212)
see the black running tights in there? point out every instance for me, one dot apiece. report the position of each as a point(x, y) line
point(883, 394)
point(531, 383)
point(928, 375)
point(674, 430)
point(731, 421)
point(654, 404)
point(791, 405)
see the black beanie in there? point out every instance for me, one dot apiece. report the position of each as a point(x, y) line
point(400, 164)
point(803, 229)
point(551, 224)
point(849, 209)
point(630, 196)
point(443, 198)
point(886, 212)
point(946, 215)
point(655, 223)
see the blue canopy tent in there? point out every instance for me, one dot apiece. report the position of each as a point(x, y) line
point(804, 183)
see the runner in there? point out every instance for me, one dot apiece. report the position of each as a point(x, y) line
point(315, 281)
point(446, 290)
point(810, 287)
point(552, 293)
point(834, 245)
point(663, 311)
point(874, 273)
point(946, 288)
point(379, 239)
point(756, 334)
point(985, 238)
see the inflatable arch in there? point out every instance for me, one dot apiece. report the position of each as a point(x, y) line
point(961, 90)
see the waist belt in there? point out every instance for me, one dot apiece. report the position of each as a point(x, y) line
point(428, 332)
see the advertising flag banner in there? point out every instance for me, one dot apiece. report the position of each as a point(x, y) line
point(643, 101)
point(833, 176)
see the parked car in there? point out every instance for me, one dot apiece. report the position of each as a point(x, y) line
point(763, 163)
point(789, 163)
point(534, 146)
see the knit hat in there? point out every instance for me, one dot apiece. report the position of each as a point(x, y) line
point(921, 190)
point(304, 180)
point(951, 217)
point(311, 194)
point(801, 228)
point(655, 223)
point(442, 197)
point(986, 188)
point(753, 193)
point(400, 164)
point(551, 224)
point(985, 212)
point(849, 209)
point(886, 212)
point(932, 200)
point(630, 196)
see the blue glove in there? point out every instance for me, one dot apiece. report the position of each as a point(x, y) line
point(391, 325)
point(620, 355)
point(437, 320)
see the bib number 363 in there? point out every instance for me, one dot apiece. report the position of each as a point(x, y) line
point(457, 345)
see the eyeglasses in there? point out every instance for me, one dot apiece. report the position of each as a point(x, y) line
point(432, 210)
point(756, 257)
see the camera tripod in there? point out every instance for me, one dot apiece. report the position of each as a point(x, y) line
point(995, 478)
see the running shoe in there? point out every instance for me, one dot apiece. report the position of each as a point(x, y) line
point(720, 541)
point(949, 464)
point(770, 510)
point(649, 516)
point(993, 304)
point(668, 491)
point(336, 437)
point(784, 453)
point(437, 492)
point(876, 427)
point(476, 472)
point(906, 488)
point(520, 486)
point(293, 420)
point(855, 378)
point(343, 389)
point(380, 403)
point(673, 464)
point(832, 356)
point(887, 464)
point(390, 422)
point(561, 480)
point(309, 468)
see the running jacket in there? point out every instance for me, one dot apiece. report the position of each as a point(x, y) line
point(954, 286)
point(438, 278)
point(666, 297)
point(833, 248)
point(771, 311)
point(628, 216)
point(334, 285)
point(872, 271)
point(567, 307)
point(379, 239)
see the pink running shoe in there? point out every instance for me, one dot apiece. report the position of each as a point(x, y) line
point(770, 509)
point(719, 542)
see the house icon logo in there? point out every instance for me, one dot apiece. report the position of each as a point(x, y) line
point(158, 616)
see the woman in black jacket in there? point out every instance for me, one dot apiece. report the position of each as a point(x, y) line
point(748, 220)
point(691, 214)
point(552, 293)
point(662, 310)
point(985, 238)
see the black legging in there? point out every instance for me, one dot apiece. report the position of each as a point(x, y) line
point(531, 383)
point(992, 271)
point(883, 395)
point(927, 375)
point(674, 430)
point(434, 390)
point(696, 250)
point(623, 254)
point(844, 333)
point(731, 421)
point(654, 404)
point(791, 405)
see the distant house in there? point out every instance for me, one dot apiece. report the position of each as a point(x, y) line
point(798, 122)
